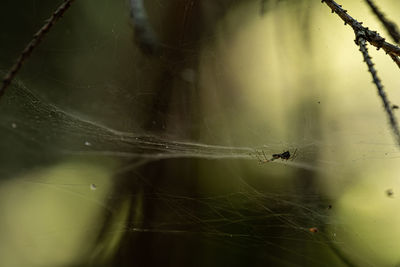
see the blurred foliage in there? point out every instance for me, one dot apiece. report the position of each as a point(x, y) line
point(289, 78)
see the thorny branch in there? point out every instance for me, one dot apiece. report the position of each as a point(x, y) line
point(37, 38)
point(363, 35)
point(390, 26)
point(360, 40)
point(371, 36)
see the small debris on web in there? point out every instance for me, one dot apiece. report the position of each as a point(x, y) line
point(87, 143)
point(93, 187)
point(313, 230)
point(389, 192)
point(13, 125)
point(395, 107)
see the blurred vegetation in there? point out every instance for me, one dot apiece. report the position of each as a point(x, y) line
point(273, 75)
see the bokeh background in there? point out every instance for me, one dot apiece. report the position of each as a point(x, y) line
point(114, 155)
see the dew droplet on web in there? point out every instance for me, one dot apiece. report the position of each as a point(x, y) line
point(93, 187)
point(87, 143)
point(13, 125)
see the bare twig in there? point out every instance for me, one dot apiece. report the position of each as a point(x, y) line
point(37, 38)
point(371, 36)
point(360, 40)
point(390, 26)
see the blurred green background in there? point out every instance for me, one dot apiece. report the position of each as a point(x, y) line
point(111, 156)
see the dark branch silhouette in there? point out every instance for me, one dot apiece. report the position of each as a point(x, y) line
point(390, 26)
point(360, 40)
point(396, 60)
point(364, 35)
point(372, 37)
point(37, 38)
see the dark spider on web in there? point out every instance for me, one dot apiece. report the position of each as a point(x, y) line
point(262, 157)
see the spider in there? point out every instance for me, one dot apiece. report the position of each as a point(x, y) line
point(262, 157)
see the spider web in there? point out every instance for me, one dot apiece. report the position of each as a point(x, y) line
point(158, 154)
